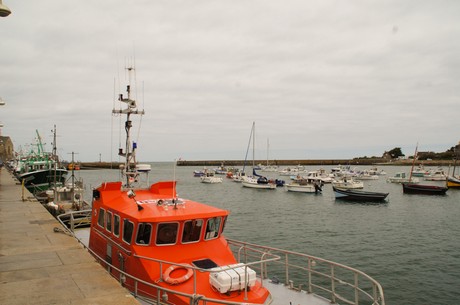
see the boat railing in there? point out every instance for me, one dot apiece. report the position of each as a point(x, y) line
point(333, 281)
point(68, 221)
point(75, 219)
point(265, 258)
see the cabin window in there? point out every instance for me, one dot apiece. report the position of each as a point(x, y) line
point(116, 225)
point(212, 228)
point(192, 230)
point(143, 234)
point(128, 228)
point(100, 219)
point(108, 224)
point(167, 233)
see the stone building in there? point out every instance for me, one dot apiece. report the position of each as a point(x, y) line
point(6, 149)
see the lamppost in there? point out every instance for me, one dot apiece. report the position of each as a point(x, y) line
point(4, 10)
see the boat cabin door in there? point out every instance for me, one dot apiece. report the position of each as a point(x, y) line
point(108, 255)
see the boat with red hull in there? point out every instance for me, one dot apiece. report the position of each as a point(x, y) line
point(425, 189)
point(170, 250)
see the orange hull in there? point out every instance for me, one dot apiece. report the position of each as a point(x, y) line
point(146, 233)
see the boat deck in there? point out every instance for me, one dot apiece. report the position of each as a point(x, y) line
point(292, 296)
point(41, 266)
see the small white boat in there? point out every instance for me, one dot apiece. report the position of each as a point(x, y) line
point(437, 175)
point(402, 178)
point(366, 175)
point(420, 171)
point(238, 176)
point(348, 183)
point(303, 185)
point(258, 183)
point(292, 171)
point(209, 177)
point(320, 175)
point(375, 171)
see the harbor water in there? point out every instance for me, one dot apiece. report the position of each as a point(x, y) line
point(410, 243)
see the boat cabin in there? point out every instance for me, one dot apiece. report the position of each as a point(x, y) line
point(161, 239)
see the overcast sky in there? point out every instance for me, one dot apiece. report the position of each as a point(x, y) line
point(321, 79)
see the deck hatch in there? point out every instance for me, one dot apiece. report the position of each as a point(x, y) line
point(204, 263)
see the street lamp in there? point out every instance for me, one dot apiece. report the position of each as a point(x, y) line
point(4, 10)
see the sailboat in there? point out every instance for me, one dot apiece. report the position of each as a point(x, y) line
point(256, 180)
point(453, 181)
point(268, 167)
point(415, 188)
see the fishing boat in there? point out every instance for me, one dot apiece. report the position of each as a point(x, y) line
point(358, 195)
point(40, 170)
point(62, 199)
point(170, 250)
point(423, 189)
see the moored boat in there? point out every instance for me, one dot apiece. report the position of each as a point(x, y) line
point(436, 175)
point(425, 189)
point(210, 177)
point(348, 183)
point(402, 178)
point(411, 188)
point(358, 195)
point(453, 182)
point(303, 185)
point(171, 250)
point(40, 170)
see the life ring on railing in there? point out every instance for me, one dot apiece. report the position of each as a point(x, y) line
point(177, 280)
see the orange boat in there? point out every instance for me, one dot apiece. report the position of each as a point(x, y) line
point(170, 250)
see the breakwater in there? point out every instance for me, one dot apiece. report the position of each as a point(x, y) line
point(319, 162)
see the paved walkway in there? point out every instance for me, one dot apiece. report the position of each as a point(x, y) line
point(39, 266)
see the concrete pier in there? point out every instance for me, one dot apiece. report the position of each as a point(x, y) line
point(40, 266)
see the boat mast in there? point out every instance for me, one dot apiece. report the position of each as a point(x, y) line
point(413, 163)
point(253, 144)
point(54, 156)
point(129, 170)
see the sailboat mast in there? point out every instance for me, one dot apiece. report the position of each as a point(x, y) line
point(268, 149)
point(253, 144)
point(413, 163)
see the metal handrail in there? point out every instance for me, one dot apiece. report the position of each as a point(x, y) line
point(194, 297)
point(358, 287)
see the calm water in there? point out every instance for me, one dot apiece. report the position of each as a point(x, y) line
point(409, 244)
